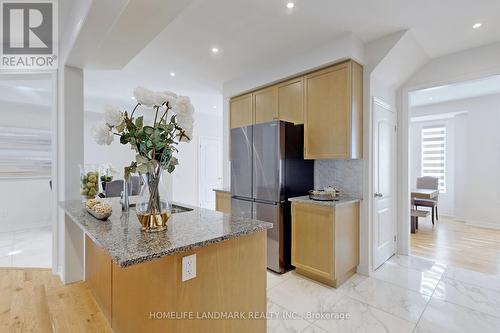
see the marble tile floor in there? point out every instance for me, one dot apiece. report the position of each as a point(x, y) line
point(28, 248)
point(406, 294)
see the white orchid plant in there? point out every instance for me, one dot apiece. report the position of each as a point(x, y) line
point(154, 144)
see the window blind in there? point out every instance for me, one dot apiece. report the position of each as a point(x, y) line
point(434, 154)
point(25, 153)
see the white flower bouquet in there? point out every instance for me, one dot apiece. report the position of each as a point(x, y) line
point(155, 144)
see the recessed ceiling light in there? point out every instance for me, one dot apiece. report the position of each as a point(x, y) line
point(290, 5)
point(477, 25)
point(215, 50)
point(133, 97)
point(172, 74)
point(215, 106)
point(431, 98)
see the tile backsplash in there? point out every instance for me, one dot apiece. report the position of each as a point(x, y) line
point(344, 174)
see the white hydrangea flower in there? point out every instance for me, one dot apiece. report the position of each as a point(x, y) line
point(183, 106)
point(113, 116)
point(165, 97)
point(145, 96)
point(186, 122)
point(189, 134)
point(102, 134)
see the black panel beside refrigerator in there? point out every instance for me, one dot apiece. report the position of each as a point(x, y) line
point(267, 168)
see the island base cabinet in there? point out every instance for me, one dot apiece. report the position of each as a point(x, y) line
point(98, 276)
point(325, 241)
point(230, 279)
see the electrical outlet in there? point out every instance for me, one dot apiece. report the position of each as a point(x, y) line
point(188, 267)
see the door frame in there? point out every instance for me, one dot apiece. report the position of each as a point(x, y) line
point(198, 163)
point(380, 102)
point(403, 138)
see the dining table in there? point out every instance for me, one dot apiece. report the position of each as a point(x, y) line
point(422, 193)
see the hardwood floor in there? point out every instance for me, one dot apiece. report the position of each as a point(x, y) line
point(34, 300)
point(455, 243)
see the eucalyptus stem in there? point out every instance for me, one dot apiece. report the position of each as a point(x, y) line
point(165, 113)
point(156, 115)
point(135, 108)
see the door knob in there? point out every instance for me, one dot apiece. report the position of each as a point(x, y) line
point(378, 195)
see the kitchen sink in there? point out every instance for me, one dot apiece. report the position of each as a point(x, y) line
point(180, 209)
point(175, 208)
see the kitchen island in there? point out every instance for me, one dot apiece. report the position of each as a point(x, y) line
point(136, 277)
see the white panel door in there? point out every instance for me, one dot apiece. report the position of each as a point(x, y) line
point(209, 170)
point(384, 183)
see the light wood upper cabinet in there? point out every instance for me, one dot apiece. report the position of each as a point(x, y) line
point(291, 101)
point(241, 111)
point(329, 102)
point(333, 112)
point(265, 104)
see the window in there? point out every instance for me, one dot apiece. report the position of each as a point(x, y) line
point(434, 153)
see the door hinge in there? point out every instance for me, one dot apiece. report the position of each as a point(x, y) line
point(395, 238)
point(395, 128)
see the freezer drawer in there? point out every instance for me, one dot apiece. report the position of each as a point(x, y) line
point(241, 161)
point(273, 213)
point(241, 207)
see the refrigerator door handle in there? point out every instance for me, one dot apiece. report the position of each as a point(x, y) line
point(267, 202)
point(242, 198)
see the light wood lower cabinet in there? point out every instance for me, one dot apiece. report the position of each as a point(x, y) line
point(325, 241)
point(223, 202)
point(151, 296)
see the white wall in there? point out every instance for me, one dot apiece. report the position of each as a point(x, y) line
point(465, 65)
point(26, 204)
point(185, 176)
point(476, 158)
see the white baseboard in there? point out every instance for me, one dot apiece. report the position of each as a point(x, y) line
point(482, 224)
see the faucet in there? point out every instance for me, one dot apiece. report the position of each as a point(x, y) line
point(124, 197)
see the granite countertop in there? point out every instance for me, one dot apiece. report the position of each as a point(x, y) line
point(122, 238)
point(342, 201)
point(228, 190)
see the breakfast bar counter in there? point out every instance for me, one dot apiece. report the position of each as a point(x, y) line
point(135, 276)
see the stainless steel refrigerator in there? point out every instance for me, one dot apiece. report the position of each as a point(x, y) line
point(268, 167)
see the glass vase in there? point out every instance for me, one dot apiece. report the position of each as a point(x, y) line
point(153, 207)
point(89, 181)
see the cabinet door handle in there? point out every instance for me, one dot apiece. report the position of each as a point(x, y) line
point(378, 195)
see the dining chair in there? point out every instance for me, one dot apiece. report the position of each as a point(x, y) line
point(428, 183)
point(114, 188)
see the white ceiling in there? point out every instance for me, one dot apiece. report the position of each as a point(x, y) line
point(257, 33)
point(450, 92)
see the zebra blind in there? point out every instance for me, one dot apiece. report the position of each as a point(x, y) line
point(25, 153)
point(434, 154)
